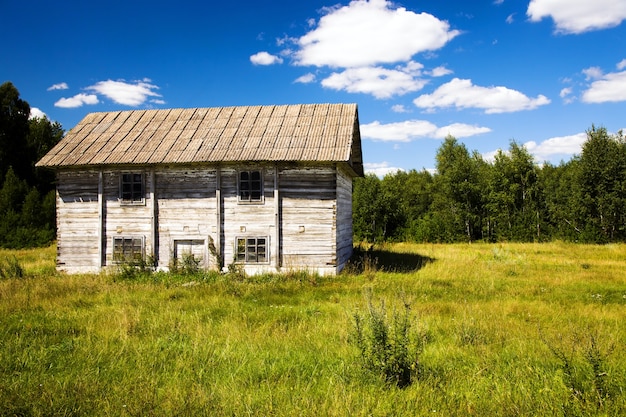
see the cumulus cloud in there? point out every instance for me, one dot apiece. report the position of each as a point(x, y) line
point(566, 95)
point(463, 94)
point(557, 146)
point(563, 147)
point(371, 32)
point(608, 88)
point(380, 169)
point(59, 86)
point(621, 65)
point(592, 73)
point(77, 101)
point(578, 16)
point(439, 71)
point(265, 58)
point(399, 108)
point(306, 78)
point(377, 81)
point(121, 92)
point(35, 112)
point(409, 130)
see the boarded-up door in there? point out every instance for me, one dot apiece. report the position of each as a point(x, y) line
point(195, 247)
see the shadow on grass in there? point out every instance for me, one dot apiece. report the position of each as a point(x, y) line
point(378, 259)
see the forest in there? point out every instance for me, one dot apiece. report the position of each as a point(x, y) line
point(466, 199)
point(510, 199)
point(27, 197)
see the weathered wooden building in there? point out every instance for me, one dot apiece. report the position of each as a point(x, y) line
point(270, 187)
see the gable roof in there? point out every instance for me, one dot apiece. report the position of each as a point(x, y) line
point(301, 132)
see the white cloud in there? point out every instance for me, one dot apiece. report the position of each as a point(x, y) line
point(510, 18)
point(35, 112)
point(557, 146)
point(460, 130)
point(609, 88)
point(128, 94)
point(566, 95)
point(377, 81)
point(565, 92)
point(409, 130)
point(578, 16)
point(77, 101)
point(306, 78)
point(369, 32)
point(399, 108)
point(59, 86)
point(592, 73)
point(380, 169)
point(621, 65)
point(439, 71)
point(463, 94)
point(265, 58)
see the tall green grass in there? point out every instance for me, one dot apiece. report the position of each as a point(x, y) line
point(507, 329)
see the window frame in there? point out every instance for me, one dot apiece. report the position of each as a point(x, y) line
point(133, 200)
point(246, 256)
point(125, 258)
point(246, 186)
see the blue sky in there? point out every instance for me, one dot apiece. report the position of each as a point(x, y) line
point(539, 72)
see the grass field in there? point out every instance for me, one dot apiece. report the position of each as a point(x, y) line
point(506, 330)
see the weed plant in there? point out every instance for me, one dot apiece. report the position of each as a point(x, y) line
point(507, 329)
point(385, 343)
point(10, 267)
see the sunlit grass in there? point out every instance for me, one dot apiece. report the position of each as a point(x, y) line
point(500, 324)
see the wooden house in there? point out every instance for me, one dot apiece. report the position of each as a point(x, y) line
point(266, 187)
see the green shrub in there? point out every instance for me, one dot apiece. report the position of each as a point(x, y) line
point(135, 269)
point(10, 267)
point(385, 344)
point(583, 363)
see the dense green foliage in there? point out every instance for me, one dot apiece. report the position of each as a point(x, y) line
point(27, 202)
point(513, 329)
point(509, 199)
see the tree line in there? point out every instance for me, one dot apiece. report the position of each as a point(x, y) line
point(27, 196)
point(510, 199)
point(467, 198)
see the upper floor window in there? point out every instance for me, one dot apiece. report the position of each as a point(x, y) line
point(250, 186)
point(132, 188)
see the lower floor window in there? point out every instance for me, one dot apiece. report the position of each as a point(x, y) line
point(128, 249)
point(251, 249)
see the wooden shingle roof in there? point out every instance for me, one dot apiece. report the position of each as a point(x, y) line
point(302, 132)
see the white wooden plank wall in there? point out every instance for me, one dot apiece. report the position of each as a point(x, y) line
point(186, 210)
point(77, 221)
point(247, 219)
point(344, 218)
point(125, 220)
point(308, 217)
point(315, 204)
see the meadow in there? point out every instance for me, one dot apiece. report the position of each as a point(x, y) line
point(495, 329)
